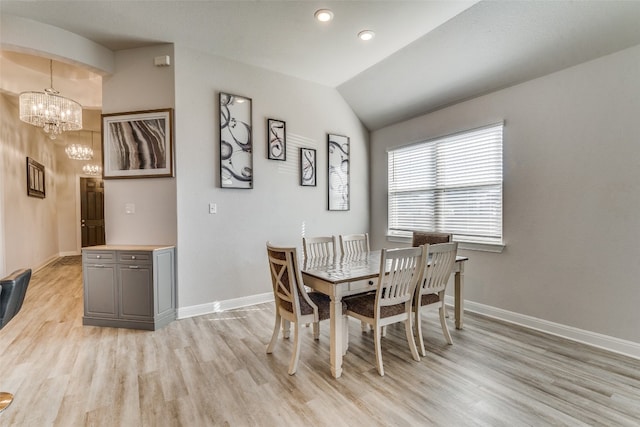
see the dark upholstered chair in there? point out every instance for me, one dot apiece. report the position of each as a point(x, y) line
point(293, 303)
point(391, 303)
point(430, 292)
point(13, 288)
point(429, 238)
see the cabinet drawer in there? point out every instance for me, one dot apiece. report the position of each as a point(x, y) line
point(99, 256)
point(134, 256)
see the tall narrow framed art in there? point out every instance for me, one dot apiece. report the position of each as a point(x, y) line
point(35, 179)
point(138, 144)
point(307, 167)
point(236, 141)
point(338, 154)
point(276, 139)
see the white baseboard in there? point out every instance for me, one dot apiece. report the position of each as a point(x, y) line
point(70, 253)
point(218, 306)
point(45, 263)
point(616, 345)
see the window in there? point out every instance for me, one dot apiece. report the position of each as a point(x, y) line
point(451, 184)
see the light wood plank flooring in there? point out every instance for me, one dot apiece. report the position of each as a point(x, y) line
point(213, 371)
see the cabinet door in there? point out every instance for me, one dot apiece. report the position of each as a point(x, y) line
point(136, 291)
point(100, 290)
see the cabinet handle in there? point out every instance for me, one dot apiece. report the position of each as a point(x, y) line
point(98, 256)
point(371, 282)
point(133, 257)
point(99, 265)
point(135, 267)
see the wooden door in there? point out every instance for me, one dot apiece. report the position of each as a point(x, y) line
point(92, 211)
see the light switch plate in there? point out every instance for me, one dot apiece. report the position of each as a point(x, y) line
point(213, 208)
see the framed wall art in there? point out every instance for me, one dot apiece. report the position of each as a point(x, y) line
point(35, 179)
point(236, 142)
point(338, 154)
point(276, 139)
point(307, 167)
point(138, 144)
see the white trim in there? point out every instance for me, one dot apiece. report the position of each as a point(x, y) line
point(70, 253)
point(613, 344)
point(616, 345)
point(46, 263)
point(218, 306)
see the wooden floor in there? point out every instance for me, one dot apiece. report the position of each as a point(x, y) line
point(213, 371)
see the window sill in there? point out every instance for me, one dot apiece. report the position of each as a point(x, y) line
point(468, 246)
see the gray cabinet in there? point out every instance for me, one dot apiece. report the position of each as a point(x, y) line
point(129, 286)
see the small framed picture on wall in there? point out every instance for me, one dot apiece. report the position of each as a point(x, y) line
point(276, 140)
point(35, 179)
point(307, 167)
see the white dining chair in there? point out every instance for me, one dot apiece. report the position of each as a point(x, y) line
point(352, 244)
point(392, 301)
point(293, 302)
point(430, 291)
point(319, 247)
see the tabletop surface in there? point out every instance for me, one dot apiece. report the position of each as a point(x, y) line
point(355, 267)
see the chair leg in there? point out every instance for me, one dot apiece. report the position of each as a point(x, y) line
point(5, 400)
point(316, 330)
point(412, 342)
point(376, 340)
point(445, 328)
point(286, 326)
point(418, 322)
point(276, 331)
point(293, 366)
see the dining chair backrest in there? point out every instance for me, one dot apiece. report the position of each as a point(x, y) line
point(400, 271)
point(429, 238)
point(319, 247)
point(351, 244)
point(440, 261)
point(288, 288)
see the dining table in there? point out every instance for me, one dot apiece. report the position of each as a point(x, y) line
point(339, 277)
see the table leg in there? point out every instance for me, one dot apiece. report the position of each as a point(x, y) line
point(459, 296)
point(336, 335)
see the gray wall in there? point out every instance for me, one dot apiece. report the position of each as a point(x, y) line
point(222, 256)
point(571, 196)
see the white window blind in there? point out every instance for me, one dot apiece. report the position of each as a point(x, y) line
point(451, 184)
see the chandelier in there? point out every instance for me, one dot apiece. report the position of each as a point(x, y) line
point(50, 111)
point(91, 168)
point(80, 151)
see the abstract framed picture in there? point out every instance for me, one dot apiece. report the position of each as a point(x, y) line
point(307, 167)
point(137, 144)
point(276, 140)
point(236, 142)
point(338, 188)
point(35, 179)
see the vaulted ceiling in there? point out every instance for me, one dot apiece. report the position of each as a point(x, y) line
point(425, 54)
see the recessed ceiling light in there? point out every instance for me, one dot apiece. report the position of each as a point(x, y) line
point(366, 35)
point(323, 15)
